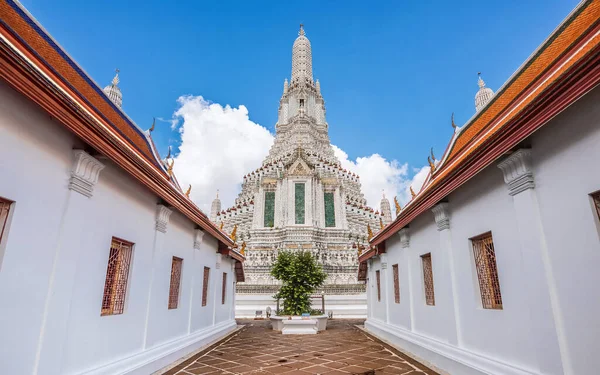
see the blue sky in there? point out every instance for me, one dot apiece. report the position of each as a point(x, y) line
point(391, 72)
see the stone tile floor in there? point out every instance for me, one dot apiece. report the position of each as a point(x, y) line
point(341, 349)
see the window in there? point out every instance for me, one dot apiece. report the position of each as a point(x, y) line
point(428, 279)
point(269, 218)
point(301, 103)
point(299, 202)
point(487, 271)
point(595, 197)
point(205, 285)
point(378, 278)
point(117, 274)
point(175, 282)
point(4, 211)
point(329, 209)
point(224, 288)
point(396, 284)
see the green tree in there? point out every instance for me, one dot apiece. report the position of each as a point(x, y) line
point(300, 275)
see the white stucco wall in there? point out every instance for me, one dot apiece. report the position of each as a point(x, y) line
point(549, 321)
point(53, 266)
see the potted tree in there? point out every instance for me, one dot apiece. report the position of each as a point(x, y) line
point(300, 276)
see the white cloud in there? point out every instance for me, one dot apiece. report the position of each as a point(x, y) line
point(377, 174)
point(219, 145)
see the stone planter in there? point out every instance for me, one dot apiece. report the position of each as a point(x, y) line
point(320, 321)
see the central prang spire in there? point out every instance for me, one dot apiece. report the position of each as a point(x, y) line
point(302, 59)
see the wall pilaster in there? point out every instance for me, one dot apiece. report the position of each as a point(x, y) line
point(385, 284)
point(163, 213)
point(446, 271)
point(405, 266)
point(545, 314)
point(70, 247)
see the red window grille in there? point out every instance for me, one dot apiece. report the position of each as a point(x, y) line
point(117, 275)
point(176, 265)
point(205, 286)
point(428, 279)
point(396, 283)
point(224, 288)
point(4, 211)
point(487, 271)
point(596, 198)
point(378, 278)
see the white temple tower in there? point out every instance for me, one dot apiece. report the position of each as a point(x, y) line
point(483, 96)
point(113, 91)
point(386, 210)
point(302, 199)
point(215, 208)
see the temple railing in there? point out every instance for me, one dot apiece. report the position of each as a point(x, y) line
point(347, 289)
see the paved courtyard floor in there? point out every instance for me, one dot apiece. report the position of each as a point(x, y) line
point(341, 349)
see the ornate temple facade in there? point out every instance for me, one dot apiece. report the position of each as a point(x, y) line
point(301, 198)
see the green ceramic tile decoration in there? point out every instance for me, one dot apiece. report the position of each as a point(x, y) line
point(269, 209)
point(299, 198)
point(329, 210)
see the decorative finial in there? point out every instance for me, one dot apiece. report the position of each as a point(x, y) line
point(115, 80)
point(383, 193)
point(432, 156)
point(480, 81)
point(169, 154)
point(189, 190)
point(221, 226)
point(412, 192)
point(170, 167)
point(217, 193)
point(243, 249)
point(398, 207)
point(370, 232)
point(453, 124)
point(233, 234)
point(153, 124)
point(301, 32)
point(380, 223)
point(431, 165)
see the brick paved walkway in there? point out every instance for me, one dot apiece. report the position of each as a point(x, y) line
point(341, 349)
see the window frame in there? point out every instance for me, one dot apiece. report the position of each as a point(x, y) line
point(5, 204)
point(175, 283)
point(427, 266)
point(205, 285)
point(378, 279)
point(596, 203)
point(488, 278)
point(116, 282)
point(224, 289)
point(396, 278)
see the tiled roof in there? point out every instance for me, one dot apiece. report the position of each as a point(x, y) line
point(576, 40)
point(27, 30)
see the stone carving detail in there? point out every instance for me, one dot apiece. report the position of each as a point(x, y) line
point(198, 235)
point(162, 218)
point(383, 260)
point(404, 234)
point(442, 216)
point(84, 173)
point(517, 170)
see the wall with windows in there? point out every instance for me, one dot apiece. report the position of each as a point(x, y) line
point(55, 254)
point(546, 251)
